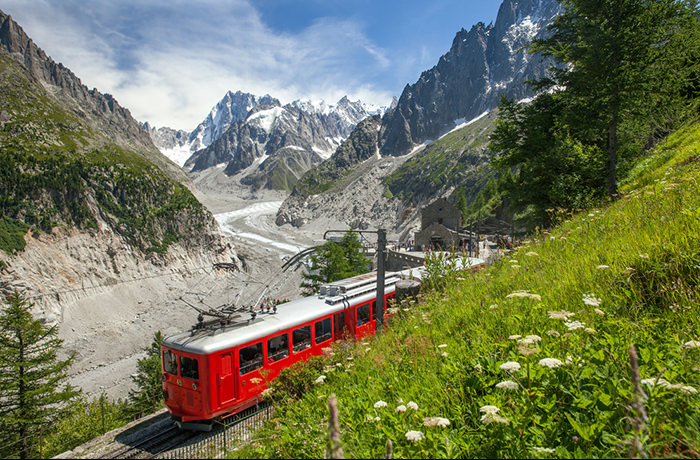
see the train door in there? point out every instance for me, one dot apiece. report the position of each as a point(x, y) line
point(226, 379)
point(341, 322)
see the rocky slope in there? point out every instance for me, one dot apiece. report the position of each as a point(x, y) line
point(97, 227)
point(467, 82)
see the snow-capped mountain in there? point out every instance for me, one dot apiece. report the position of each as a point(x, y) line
point(468, 80)
point(232, 108)
point(275, 144)
point(179, 145)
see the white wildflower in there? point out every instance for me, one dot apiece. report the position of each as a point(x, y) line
point(401, 408)
point(599, 312)
point(687, 389)
point(590, 330)
point(493, 307)
point(478, 369)
point(513, 261)
point(415, 436)
point(514, 337)
point(542, 450)
point(255, 380)
point(691, 344)
point(591, 300)
point(320, 380)
point(489, 409)
point(507, 385)
point(591, 215)
point(524, 294)
point(551, 363)
point(371, 418)
point(532, 253)
point(267, 392)
point(436, 421)
point(492, 417)
point(563, 314)
point(532, 338)
point(515, 266)
point(443, 345)
point(412, 405)
point(510, 366)
point(379, 404)
point(444, 354)
point(573, 325)
point(553, 333)
point(602, 267)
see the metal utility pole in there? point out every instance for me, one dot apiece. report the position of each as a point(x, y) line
point(380, 303)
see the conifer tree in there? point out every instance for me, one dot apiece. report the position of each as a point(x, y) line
point(335, 261)
point(623, 79)
point(622, 66)
point(33, 396)
point(148, 395)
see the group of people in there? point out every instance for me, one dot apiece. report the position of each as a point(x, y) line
point(405, 246)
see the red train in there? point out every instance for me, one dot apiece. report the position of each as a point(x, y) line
point(212, 373)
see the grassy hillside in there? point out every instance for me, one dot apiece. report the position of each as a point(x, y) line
point(458, 159)
point(530, 357)
point(55, 170)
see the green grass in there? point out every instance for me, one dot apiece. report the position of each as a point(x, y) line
point(638, 258)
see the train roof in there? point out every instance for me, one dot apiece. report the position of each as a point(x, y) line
point(334, 297)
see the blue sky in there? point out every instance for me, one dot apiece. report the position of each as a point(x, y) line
point(171, 61)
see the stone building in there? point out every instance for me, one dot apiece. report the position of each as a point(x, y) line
point(440, 226)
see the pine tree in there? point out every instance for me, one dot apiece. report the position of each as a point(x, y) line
point(622, 68)
point(336, 261)
point(31, 375)
point(148, 395)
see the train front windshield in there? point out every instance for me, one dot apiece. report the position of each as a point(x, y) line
point(169, 362)
point(188, 368)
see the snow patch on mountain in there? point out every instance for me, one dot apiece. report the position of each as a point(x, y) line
point(266, 118)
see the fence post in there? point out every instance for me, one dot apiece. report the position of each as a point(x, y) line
point(225, 443)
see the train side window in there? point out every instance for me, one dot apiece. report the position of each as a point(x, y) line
point(324, 330)
point(301, 338)
point(251, 358)
point(363, 314)
point(189, 368)
point(169, 362)
point(278, 348)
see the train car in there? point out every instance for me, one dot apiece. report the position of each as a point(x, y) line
point(212, 373)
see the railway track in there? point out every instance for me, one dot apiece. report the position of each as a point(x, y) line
point(153, 445)
point(172, 437)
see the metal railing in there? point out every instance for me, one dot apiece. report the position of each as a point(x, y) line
point(229, 438)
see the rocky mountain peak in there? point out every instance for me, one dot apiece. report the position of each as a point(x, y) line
point(482, 64)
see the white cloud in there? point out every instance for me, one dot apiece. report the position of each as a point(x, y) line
point(170, 68)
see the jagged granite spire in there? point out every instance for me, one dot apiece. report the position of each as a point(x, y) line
point(482, 64)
